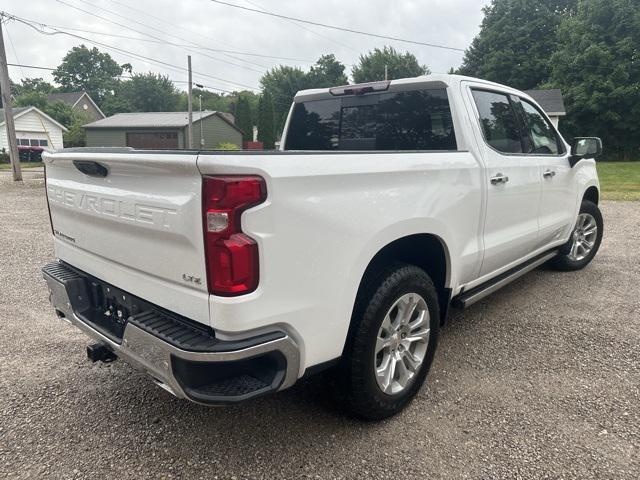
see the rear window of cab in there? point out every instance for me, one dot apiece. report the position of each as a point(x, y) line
point(411, 120)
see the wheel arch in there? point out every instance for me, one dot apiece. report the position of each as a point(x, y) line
point(591, 194)
point(424, 250)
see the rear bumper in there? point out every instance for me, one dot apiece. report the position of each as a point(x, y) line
point(185, 361)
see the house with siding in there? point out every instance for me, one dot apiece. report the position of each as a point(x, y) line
point(162, 130)
point(35, 131)
point(80, 102)
point(551, 102)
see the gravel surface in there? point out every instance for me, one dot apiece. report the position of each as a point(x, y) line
point(540, 380)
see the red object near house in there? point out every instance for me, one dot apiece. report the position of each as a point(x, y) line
point(252, 146)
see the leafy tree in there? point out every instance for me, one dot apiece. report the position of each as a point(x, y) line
point(76, 135)
point(89, 70)
point(371, 66)
point(113, 104)
point(148, 92)
point(596, 66)
point(31, 85)
point(266, 125)
point(243, 118)
point(283, 83)
point(327, 72)
point(516, 41)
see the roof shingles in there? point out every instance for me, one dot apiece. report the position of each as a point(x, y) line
point(551, 101)
point(148, 120)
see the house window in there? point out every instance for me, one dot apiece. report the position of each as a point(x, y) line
point(23, 141)
point(34, 143)
point(44, 143)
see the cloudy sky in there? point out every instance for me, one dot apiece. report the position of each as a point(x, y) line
point(166, 31)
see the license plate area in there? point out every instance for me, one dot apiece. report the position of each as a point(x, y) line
point(103, 306)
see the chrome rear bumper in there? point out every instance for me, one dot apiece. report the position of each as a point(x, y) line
point(226, 372)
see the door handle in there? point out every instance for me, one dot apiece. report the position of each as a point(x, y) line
point(499, 178)
point(549, 174)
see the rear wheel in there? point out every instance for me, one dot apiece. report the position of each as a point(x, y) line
point(584, 241)
point(392, 342)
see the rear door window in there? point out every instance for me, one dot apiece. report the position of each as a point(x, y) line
point(413, 120)
point(499, 121)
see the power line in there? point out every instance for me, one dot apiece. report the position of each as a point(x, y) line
point(148, 34)
point(343, 29)
point(164, 42)
point(38, 67)
point(147, 14)
point(34, 25)
point(13, 47)
point(306, 28)
point(233, 51)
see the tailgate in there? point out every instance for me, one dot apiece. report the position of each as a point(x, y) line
point(133, 219)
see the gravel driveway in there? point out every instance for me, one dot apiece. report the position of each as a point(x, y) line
point(540, 380)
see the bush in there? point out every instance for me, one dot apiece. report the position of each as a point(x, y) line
point(227, 146)
point(4, 156)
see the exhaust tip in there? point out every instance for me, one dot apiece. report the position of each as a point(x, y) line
point(99, 352)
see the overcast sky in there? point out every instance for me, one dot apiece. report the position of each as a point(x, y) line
point(192, 24)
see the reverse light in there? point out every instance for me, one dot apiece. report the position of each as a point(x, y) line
point(231, 255)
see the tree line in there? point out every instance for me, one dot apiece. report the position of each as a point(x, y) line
point(590, 49)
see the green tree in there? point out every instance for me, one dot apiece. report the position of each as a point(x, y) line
point(266, 125)
point(283, 83)
point(31, 85)
point(243, 118)
point(516, 41)
point(596, 65)
point(371, 67)
point(76, 136)
point(148, 92)
point(327, 72)
point(90, 70)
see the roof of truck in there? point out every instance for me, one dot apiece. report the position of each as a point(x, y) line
point(434, 80)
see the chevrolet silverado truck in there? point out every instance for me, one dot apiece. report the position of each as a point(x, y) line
point(228, 275)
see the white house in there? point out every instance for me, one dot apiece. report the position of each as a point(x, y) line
point(34, 128)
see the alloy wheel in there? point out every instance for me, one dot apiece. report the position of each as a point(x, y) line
point(402, 342)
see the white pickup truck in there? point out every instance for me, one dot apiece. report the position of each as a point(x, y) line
point(228, 275)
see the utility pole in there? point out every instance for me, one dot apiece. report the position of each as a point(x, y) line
point(190, 103)
point(5, 84)
point(386, 72)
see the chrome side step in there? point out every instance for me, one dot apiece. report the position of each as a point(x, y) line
point(476, 294)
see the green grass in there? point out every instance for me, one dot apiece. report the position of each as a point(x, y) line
point(7, 166)
point(619, 180)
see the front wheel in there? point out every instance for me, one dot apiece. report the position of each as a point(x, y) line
point(392, 341)
point(584, 241)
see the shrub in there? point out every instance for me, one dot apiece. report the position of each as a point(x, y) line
point(227, 146)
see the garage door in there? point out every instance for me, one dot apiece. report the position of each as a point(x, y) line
point(153, 140)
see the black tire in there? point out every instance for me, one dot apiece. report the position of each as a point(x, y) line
point(358, 389)
point(563, 262)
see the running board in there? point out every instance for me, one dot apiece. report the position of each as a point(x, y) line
point(466, 299)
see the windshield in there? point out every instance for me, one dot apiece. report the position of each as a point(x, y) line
point(414, 120)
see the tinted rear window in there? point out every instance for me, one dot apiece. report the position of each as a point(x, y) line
point(415, 120)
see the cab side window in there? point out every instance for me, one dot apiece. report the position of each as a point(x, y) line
point(499, 121)
point(543, 137)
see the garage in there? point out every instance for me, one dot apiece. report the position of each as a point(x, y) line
point(152, 140)
point(163, 131)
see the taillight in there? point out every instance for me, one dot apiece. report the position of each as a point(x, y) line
point(231, 256)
